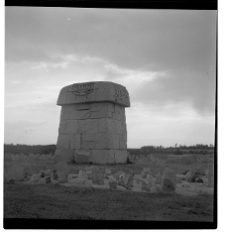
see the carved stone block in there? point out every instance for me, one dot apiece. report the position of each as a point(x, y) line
point(93, 122)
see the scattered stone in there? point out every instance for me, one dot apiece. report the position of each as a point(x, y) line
point(12, 181)
point(15, 173)
point(121, 180)
point(112, 183)
point(145, 172)
point(71, 176)
point(168, 186)
point(129, 181)
point(158, 178)
point(44, 180)
point(28, 171)
point(117, 175)
point(194, 178)
point(169, 180)
point(185, 172)
point(88, 172)
point(199, 180)
point(201, 170)
point(48, 180)
point(180, 177)
point(108, 171)
point(47, 172)
point(97, 177)
point(81, 177)
point(144, 186)
point(126, 180)
point(42, 174)
point(62, 171)
point(149, 180)
point(54, 175)
point(35, 178)
point(191, 175)
point(147, 183)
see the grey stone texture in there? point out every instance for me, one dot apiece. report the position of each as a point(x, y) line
point(169, 180)
point(93, 123)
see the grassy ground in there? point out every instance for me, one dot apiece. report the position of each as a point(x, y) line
point(59, 202)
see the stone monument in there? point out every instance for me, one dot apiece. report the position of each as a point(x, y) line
point(93, 123)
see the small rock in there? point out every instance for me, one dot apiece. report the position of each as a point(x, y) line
point(168, 185)
point(62, 171)
point(117, 175)
point(145, 172)
point(199, 180)
point(169, 180)
point(15, 173)
point(54, 175)
point(144, 186)
point(48, 180)
point(126, 180)
point(158, 178)
point(88, 172)
point(35, 178)
point(149, 181)
point(97, 177)
point(108, 171)
point(81, 177)
point(71, 176)
point(129, 181)
point(192, 175)
point(47, 172)
point(112, 183)
point(42, 174)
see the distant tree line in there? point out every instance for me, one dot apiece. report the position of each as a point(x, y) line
point(28, 149)
point(50, 149)
point(176, 146)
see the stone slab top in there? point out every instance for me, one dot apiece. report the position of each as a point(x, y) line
point(98, 91)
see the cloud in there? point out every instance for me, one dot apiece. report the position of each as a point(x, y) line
point(166, 60)
point(194, 89)
point(49, 65)
point(126, 45)
point(148, 39)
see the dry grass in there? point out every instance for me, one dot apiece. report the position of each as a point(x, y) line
point(59, 202)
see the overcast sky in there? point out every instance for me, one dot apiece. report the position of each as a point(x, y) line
point(165, 58)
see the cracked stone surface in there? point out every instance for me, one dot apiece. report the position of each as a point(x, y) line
point(93, 123)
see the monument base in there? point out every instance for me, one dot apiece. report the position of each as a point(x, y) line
point(92, 156)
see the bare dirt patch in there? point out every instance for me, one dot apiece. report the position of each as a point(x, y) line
point(59, 202)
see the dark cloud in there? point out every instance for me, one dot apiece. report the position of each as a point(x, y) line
point(129, 38)
point(180, 43)
point(195, 89)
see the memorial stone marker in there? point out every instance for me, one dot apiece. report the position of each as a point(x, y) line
point(93, 123)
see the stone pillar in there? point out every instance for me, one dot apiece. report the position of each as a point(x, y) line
point(93, 123)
